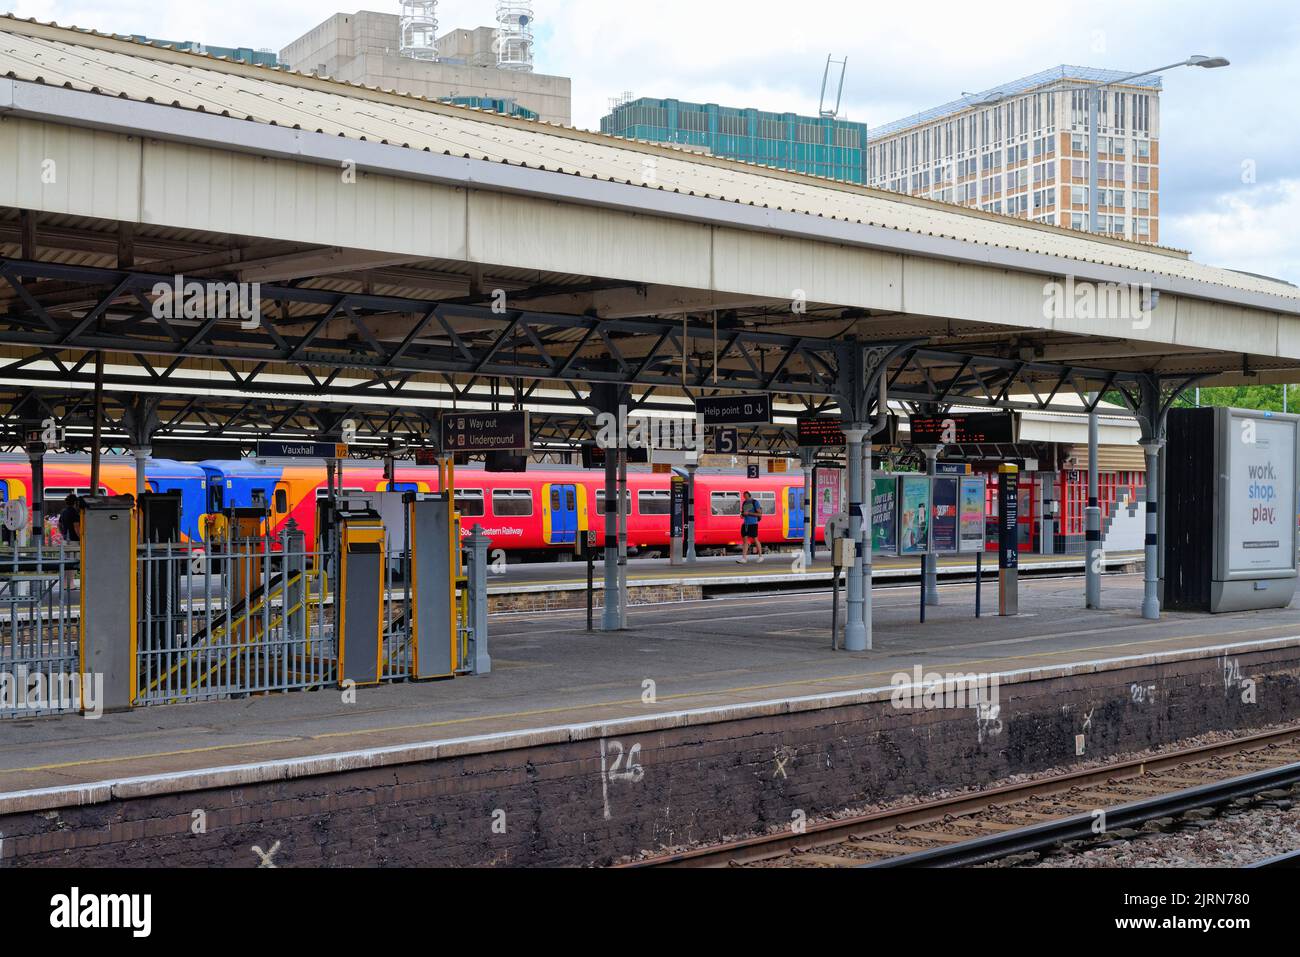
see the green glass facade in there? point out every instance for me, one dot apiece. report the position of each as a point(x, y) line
point(508, 107)
point(821, 146)
point(241, 54)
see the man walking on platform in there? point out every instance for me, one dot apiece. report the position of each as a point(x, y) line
point(750, 513)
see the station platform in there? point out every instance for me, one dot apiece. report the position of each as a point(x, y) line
point(549, 672)
point(701, 721)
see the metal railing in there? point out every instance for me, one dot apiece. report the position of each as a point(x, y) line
point(252, 616)
point(40, 630)
point(243, 617)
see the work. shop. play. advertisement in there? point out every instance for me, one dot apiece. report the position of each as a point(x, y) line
point(1262, 498)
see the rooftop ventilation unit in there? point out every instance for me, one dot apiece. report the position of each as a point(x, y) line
point(514, 40)
point(420, 29)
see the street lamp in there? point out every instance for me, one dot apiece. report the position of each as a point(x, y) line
point(1094, 100)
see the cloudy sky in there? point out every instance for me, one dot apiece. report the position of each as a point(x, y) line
point(1230, 144)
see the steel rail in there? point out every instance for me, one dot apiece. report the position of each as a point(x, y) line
point(1038, 837)
point(826, 833)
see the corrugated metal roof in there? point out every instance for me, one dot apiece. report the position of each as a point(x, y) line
point(1056, 74)
point(116, 67)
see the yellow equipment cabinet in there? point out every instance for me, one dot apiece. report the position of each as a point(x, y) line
point(360, 603)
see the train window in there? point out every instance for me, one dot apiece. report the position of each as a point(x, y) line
point(469, 502)
point(281, 501)
point(724, 503)
point(512, 502)
point(654, 502)
point(325, 493)
point(59, 494)
point(216, 497)
point(555, 500)
point(766, 501)
point(571, 497)
point(600, 501)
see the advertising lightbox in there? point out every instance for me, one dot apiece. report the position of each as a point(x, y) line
point(943, 524)
point(971, 514)
point(914, 509)
point(884, 515)
point(1260, 492)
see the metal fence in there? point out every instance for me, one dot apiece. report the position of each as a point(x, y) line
point(40, 630)
point(246, 617)
point(253, 616)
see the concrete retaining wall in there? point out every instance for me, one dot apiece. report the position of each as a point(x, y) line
point(588, 794)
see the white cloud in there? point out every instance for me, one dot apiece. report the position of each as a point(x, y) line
point(1252, 229)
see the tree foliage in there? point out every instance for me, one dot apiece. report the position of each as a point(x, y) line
point(1265, 398)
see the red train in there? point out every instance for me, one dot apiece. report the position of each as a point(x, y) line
point(540, 511)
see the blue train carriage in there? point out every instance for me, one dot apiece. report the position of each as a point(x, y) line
point(168, 475)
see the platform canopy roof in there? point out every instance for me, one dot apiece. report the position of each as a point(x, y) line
point(385, 228)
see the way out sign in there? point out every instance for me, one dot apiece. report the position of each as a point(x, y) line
point(486, 432)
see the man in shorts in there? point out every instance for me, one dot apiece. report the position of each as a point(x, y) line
point(750, 513)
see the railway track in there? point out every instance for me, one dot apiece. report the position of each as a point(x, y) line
point(1024, 817)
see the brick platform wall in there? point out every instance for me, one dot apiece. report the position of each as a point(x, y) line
point(573, 797)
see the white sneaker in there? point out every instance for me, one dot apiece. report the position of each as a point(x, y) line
point(742, 561)
point(760, 558)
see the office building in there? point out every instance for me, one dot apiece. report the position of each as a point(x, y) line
point(1021, 149)
point(819, 145)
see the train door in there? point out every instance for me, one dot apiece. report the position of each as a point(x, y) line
point(559, 514)
point(279, 505)
point(1027, 487)
point(794, 512)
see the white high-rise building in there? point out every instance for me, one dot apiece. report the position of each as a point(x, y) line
point(1021, 149)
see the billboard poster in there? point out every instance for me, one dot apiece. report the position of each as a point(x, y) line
point(1261, 494)
point(914, 515)
point(884, 515)
point(827, 494)
point(971, 515)
point(943, 524)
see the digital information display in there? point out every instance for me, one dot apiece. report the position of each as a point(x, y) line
point(965, 428)
point(820, 433)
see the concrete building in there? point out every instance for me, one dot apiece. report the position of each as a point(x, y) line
point(364, 47)
point(1022, 149)
point(820, 145)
